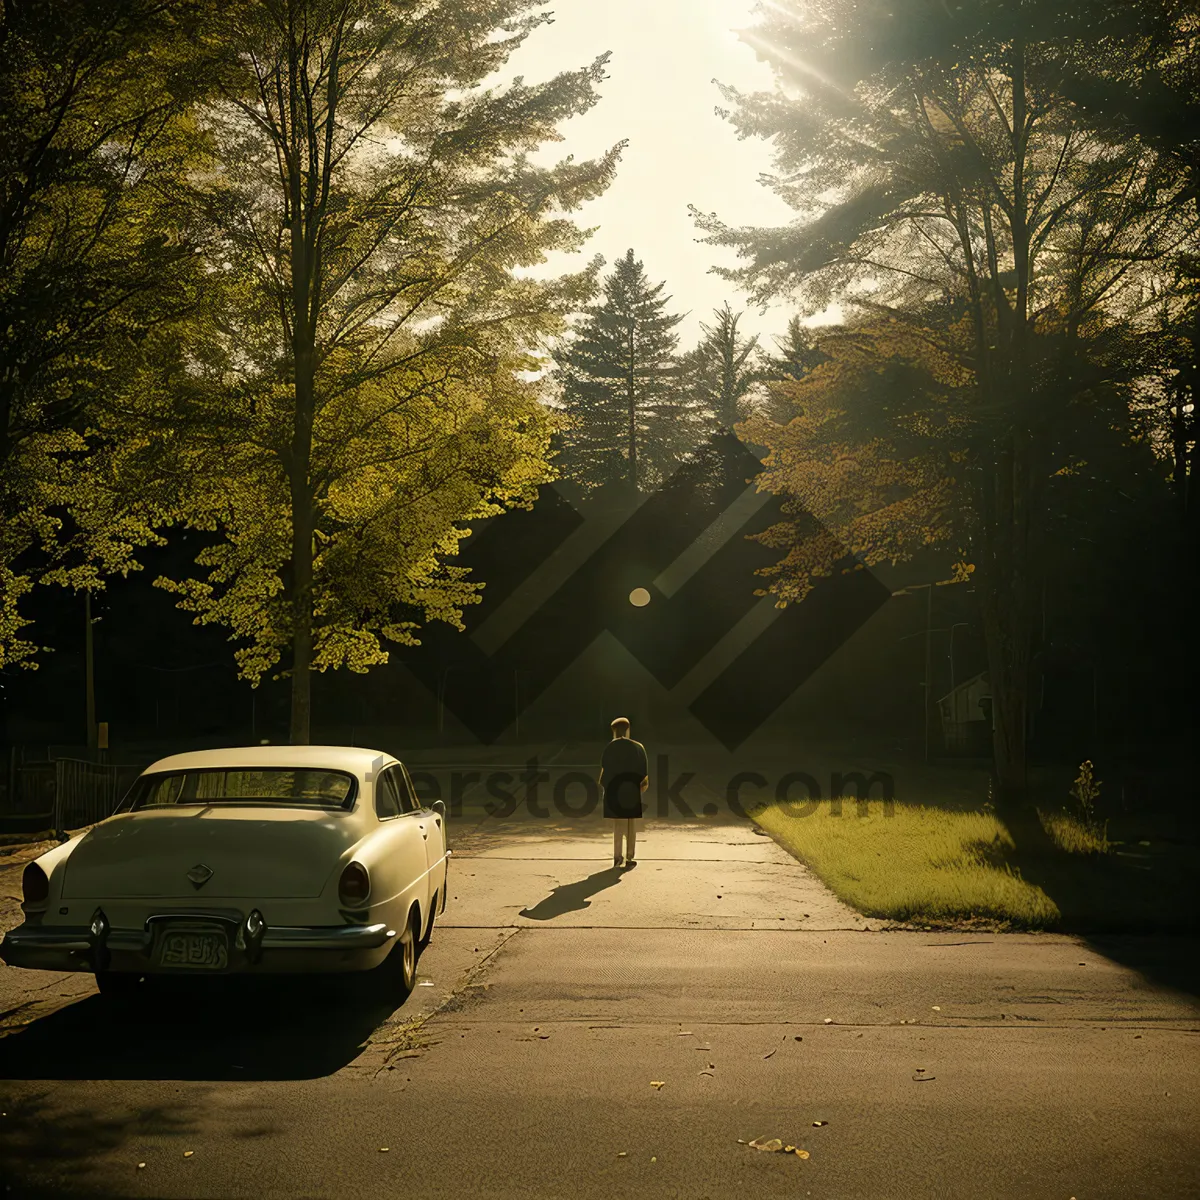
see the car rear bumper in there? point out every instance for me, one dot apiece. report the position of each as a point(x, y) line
point(283, 948)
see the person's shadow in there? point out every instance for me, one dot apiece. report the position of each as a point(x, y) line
point(571, 897)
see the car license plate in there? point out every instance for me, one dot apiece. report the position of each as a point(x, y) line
point(195, 949)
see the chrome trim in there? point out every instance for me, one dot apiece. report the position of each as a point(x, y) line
point(70, 947)
point(37, 937)
point(336, 937)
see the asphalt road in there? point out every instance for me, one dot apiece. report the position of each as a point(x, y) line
point(557, 993)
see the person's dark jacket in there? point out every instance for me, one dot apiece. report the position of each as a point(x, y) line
point(624, 766)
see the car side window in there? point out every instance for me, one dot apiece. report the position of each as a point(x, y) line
point(387, 794)
point(408, 794)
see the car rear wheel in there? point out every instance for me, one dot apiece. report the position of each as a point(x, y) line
point(396, 976)
point(400, 966)
point(409, 950)
point(433, 908)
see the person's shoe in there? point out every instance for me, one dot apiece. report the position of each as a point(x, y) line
point(631, 862)
point(616, 862)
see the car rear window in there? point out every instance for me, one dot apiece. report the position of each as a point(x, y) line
point(302, 786)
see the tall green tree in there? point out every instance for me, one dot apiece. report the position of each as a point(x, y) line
point(98, 258)
point(1150, 91)
point(629, 419)
point(370, 383)
point(936, 160)
point(720, 373)
point(796, 354)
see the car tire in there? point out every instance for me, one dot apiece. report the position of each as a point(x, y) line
point(409, 951)
point(433, 908)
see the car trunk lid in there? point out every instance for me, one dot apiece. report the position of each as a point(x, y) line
point(210, 852)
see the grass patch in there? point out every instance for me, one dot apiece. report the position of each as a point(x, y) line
point(919, 864)
point(1073, 836)
point(925, 865)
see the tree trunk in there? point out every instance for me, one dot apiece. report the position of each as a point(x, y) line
point(300, 462)
point(631, 396)
point(1008, 585)
point(1008, 671)
point(300, 732)
point(303, 289)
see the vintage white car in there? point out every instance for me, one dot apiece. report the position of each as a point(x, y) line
point(257, 860)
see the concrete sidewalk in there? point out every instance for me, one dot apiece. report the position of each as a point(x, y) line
point(707, 874)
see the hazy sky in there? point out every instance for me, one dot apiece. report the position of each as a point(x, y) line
point(661, 96)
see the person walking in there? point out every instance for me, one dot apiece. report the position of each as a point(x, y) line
point(623, 774)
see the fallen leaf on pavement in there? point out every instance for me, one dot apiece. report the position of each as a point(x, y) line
point(141, 1165)
point(383, 1149)
point(924, 1078)
point(829, 1021)
point(937, 1008)
point(653, 1158)
point(741, 1141)
point(657, 1083)
point(685, 1033)
point(768, 1055)
point(188, 1153)
point(709, 1074)
point(622, 1153)
point(801, 1153)
point(772, 1145)
point(797, 1038)
point(818, 1124)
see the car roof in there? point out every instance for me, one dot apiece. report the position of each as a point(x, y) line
point(358, 760)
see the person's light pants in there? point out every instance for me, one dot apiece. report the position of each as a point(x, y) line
point(626, 829)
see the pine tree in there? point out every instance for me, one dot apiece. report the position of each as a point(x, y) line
point(723, 369)
point(620, 386)
point(798, 354)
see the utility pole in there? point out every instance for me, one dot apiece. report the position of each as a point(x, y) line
point(928, 632)
point(89, 672)
point(928, 659)
point(956, 625)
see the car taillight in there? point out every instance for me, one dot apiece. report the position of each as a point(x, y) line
point(355, 884)
point(35, 885)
